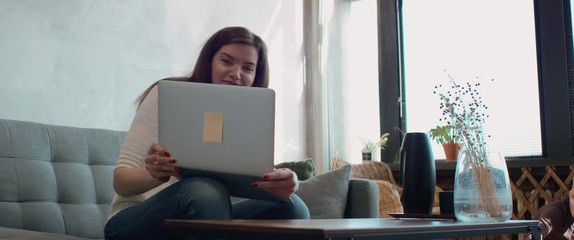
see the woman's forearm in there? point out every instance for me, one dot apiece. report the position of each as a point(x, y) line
point(131, 181)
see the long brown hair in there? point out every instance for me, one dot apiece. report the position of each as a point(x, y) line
point(202, 70)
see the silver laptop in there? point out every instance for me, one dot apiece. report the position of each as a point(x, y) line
point(220, 131)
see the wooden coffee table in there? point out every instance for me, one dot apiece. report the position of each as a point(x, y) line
point(349, 229)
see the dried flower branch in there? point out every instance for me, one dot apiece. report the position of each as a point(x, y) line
point(465, 111)
point(463, 107)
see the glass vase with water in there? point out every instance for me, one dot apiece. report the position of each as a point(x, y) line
point(482, 188)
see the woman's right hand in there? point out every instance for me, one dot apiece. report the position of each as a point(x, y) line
point(160, 164)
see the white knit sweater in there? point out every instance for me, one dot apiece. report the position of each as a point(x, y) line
point(141, 135)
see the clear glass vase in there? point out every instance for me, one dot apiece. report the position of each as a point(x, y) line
point(482, 188)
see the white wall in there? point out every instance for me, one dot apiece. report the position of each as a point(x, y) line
point(83, 62)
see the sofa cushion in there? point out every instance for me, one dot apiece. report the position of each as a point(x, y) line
point(55, 178)
point(19, 234)
point(326, 194)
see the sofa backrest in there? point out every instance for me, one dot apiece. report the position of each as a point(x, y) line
point(56, 178)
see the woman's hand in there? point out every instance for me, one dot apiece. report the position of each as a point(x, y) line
point(282, 182)
point(160, 164)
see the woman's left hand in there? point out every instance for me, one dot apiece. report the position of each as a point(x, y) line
point(282, 182)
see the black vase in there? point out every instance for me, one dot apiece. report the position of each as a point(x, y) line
point(417, 173)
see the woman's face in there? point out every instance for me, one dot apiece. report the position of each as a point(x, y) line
point(234, 64)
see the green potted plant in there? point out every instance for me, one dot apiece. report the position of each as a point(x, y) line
point(443, 134)
point(448, 137)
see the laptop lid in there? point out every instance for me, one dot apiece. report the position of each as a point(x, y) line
point(220, 131)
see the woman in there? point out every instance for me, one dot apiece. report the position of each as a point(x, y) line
point(556, 219)
point(148, 189)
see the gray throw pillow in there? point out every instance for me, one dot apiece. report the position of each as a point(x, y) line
point(326, 194)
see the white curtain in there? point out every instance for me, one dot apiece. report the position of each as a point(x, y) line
point(341, 79)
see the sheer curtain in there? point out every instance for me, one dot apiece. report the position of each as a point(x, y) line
point(341, 78)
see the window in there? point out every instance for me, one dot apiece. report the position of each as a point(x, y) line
point(474, 41)
point(552, 22)
point(529, 36)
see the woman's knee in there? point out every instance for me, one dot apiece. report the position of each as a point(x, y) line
point(299, 209)
point(205, 186)
point(207, 197)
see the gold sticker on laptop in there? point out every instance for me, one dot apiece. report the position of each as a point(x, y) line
point(213, 127)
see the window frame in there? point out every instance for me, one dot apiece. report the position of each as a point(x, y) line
point(553, 79)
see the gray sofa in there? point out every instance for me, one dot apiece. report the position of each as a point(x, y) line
point(56, 181)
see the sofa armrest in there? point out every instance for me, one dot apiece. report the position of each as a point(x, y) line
point(362, 199)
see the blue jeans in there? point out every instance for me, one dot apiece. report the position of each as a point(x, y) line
point(195, 198)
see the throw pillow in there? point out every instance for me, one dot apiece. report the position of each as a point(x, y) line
point(304, 169)
point(389, 199)
point(326, 194)
point(372, 170)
